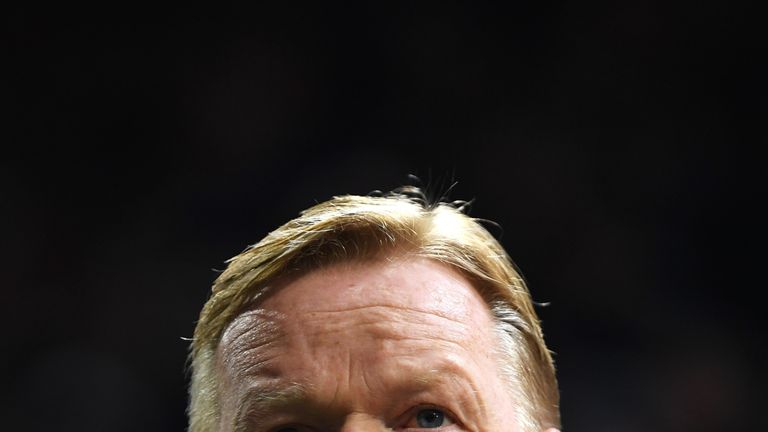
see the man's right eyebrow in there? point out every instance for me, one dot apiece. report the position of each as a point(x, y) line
point(262, 399)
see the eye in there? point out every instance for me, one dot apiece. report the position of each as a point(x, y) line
point(429, 418)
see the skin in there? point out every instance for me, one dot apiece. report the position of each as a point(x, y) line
point(365, 346)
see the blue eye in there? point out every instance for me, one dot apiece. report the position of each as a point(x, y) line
point(430, 418)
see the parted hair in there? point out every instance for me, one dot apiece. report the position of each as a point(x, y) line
point(359, 227)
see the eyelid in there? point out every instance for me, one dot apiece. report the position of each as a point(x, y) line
point(288, 422)
point(411, 414)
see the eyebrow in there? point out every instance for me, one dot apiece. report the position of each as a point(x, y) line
point(264, 398)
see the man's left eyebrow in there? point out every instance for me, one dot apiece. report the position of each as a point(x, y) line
point(447, 375)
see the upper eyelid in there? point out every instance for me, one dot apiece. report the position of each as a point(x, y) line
point(413, 411)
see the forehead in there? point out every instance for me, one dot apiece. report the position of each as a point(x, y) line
point(390, 294)
point(390, 321)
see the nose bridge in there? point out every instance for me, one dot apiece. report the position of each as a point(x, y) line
point(358, 422)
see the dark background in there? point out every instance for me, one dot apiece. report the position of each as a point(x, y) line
point(144, 145)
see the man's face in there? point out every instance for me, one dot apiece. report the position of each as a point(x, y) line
point(402, 344)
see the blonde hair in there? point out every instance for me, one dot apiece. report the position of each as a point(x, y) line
point(354, 227)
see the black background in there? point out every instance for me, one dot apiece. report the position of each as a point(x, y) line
point(615, 143)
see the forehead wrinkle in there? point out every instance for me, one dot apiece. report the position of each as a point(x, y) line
point(402, 324)
point(400, 308)
point(242, 322)
point(248, 333)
